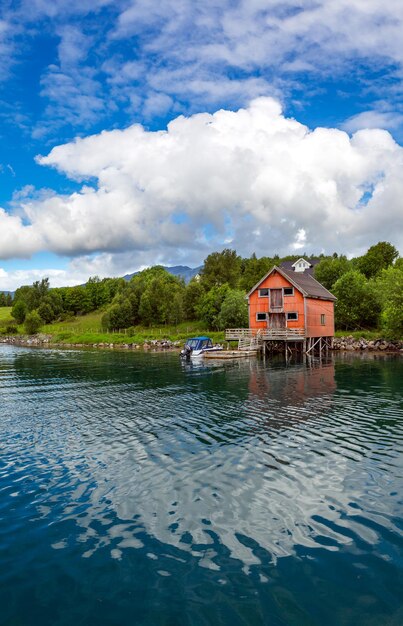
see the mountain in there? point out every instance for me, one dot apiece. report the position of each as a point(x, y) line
point(183, 271)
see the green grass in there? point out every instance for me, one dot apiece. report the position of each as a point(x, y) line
point(5, 313)
point(5, 318)
point(90, 323)
point(359, 334)
point(87, 329)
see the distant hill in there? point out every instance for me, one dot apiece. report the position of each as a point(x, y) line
point(183, 271)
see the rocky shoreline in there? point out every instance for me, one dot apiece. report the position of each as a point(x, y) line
point(45, 341)
point(350, 344)
point(341, 344)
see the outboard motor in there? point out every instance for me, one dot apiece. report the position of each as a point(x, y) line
point(186, 352)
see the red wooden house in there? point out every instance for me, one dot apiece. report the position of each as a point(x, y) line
point(288, 303)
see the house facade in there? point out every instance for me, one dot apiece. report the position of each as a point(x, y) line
point(291, 299)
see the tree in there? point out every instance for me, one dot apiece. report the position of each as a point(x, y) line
point(151, 297)
point(328, 271)
point(358, 304)
point(46, 312)
point(252, 270)
point(162, 300)
point(234, 310)
point(210, 304)
point(221, 268)
point(36, 293)
point(19, 311)
point(32, 322)
point(97, 292)
point(191, 299)
point(119, 315)
point(377, 258)
point(390, 285)
point(76, 299)
point(2, 299)
point(22, 293)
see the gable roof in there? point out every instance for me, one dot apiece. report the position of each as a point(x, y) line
point(289, 265)
point(304, 282)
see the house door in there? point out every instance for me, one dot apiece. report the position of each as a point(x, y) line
point(277, 320)
point(276, 298)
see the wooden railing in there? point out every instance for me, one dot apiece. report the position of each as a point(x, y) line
point(283, 333)
point(239, 333)
point(232, 334)
point(250, 343)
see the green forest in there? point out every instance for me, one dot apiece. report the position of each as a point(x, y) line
point(369, 292)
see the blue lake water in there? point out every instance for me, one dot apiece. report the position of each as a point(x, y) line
point(138, 490)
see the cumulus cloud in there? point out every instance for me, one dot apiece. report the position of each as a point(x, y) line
point(252, 179)
point(153, 58)
point(200, 42)
point(373, 119)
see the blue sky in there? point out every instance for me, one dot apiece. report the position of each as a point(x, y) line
point(253, 93)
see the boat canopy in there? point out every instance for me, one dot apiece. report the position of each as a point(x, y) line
point(197, 343)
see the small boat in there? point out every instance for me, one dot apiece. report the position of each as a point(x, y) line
point(198, 346)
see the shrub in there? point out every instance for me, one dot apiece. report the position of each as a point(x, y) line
point(11, 329)
point(32, 322)
point(234, 311)
point(19, 311)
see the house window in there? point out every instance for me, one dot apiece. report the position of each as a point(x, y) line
point(263, 293)
point(261, 317)
point(323, 319)
point(292, 317)
point(288, 291)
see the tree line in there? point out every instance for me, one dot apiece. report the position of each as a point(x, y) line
point(6, 299)
point(369, 291)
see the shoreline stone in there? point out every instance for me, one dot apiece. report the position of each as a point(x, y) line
point(349, 344)
point(45, 341)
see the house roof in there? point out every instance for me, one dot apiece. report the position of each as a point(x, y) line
point(303, 281)
point(289, 265)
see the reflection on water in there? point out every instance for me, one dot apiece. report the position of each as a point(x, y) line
point(222, 493)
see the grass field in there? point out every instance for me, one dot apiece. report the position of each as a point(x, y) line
point(5, 313)
point(87, 329)
point(359, 334)
point(5, 318)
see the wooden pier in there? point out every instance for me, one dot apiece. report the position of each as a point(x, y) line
point(230, 354)
point(287, 340)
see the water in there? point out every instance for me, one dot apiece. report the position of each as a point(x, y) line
point(136, 490)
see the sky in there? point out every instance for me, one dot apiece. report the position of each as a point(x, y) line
point(137, 132)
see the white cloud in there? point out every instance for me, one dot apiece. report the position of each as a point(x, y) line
point(373, 119)
point(207, 38)
point(251, 179)
point(177, 55)
point(11, 280)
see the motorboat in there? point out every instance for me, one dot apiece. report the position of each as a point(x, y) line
point(197, 346)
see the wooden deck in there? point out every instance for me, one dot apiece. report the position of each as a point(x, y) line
point(230, 354)
point(287, 339)
point(265, 334)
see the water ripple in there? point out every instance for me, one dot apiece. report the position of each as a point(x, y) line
point(244, 463)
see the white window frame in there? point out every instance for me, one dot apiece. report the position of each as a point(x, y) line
point(287, 295)
point(261, 313)
point(264, 288)
point(292, 313)
point(323, 319)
